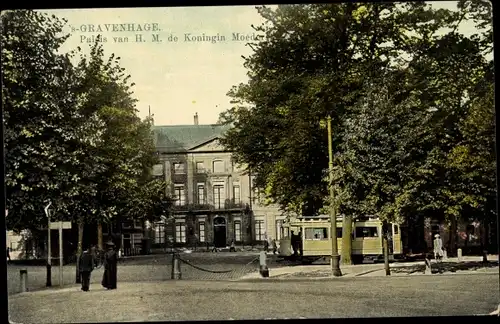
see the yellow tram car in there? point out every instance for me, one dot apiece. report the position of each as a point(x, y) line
point(316, 239)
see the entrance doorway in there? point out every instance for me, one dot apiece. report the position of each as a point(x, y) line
point(220, 232)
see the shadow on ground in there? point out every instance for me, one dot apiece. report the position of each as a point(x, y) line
point(446, 267)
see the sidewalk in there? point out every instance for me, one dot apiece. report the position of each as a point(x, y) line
point(375, 270)
point(315, 271)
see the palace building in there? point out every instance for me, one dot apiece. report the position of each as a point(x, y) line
point(214, 201)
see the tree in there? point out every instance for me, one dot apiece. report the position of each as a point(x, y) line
point(44, 130)
point(315, 61)
point(403, 153)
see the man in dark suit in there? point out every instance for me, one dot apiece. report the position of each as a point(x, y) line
point(86, 267)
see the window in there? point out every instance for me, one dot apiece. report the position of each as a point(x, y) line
point(219, 196)
point(137, 240)
point(237, 231)
point(316, 233)
point(158, 170)
point(201, 194)
point(160, 233)
point(179, 168)
point(137, 223)
point(180, 232)
point(201, 231)
point(179, 196)
point(236, 194)
point(259, 230)
point(200, 167)
point(279, 229)
point(127, 242)
point(256, 195)
point(362, 232)
point(125, 225)
point(218, 167)
point(396, 229)
point(339, 232)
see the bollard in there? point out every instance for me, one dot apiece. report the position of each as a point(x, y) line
point(24, 279)
point(428, 267)
point(176, 268)
point(459, 254)
point(485, 257)
point(263, 269)
point(48, 281)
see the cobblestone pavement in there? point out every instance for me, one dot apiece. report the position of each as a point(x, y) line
point(223, 300)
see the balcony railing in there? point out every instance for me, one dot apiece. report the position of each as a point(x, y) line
point(229, 205)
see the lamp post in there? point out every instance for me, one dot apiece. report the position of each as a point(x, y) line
point(49, 261)
point(333, 217)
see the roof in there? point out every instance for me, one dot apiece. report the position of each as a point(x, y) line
point(181, 138)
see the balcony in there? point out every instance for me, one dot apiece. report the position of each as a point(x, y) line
point(229, 206)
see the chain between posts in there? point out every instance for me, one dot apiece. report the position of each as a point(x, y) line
point(211, 271)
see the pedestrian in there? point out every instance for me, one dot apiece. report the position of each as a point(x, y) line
point(438, 248)
point(8, 253)
point(196, 240)
point(215, 249)
point(93, 252)
point(266, 243)
point(86, 266)
point(299, 243)
point(110, 261)
point(232, 248)
point(293, 242)
point(275, 247)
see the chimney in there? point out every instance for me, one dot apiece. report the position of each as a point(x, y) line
point(196, 118)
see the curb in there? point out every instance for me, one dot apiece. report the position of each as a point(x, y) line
point(366, 272)
point(282, 277)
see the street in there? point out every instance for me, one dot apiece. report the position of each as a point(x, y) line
point(260, 299)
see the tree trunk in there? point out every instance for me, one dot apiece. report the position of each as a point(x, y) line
point(346, 252)
point(79, 249)
point(385, 244)
point(100, 244)
point(482, 237)
point(452, 248)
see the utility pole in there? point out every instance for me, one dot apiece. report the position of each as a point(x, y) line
point(333, 216)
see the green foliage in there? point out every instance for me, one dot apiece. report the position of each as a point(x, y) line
point(425, 147)
point(315, 61)
point(72, 135)
point(411, 100)
point(41, 110)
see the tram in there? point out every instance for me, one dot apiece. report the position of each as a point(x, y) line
point(316, 241)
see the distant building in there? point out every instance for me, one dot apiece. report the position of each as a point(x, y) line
point(15, 243)
point(214, 201)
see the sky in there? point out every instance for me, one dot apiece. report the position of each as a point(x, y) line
point(176, 79)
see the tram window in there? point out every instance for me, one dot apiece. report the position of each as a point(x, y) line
point(366, 232)
point(339, 232)
point(316, 233)
point(396, 229)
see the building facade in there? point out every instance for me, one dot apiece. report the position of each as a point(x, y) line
point(214, 201)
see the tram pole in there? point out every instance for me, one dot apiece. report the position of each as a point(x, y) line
point(333, 216)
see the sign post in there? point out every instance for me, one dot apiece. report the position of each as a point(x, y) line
point(48, 282)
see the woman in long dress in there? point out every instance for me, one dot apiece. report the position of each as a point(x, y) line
point(110, 262)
